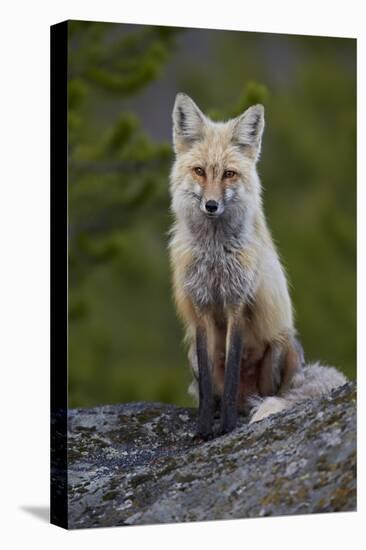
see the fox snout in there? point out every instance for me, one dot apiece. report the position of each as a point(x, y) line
point(214, 201)
point(212, 207)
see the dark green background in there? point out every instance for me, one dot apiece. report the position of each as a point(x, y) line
point(125, 342)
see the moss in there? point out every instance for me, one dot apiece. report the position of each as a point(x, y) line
point(80, 489)
point(322, 464)
point(85, 429)
point(321, 505)
point(272, 498)
point(110, 495)
point(124, 436)
point(302, 495)
point(321, 482)
point(341, 499)
point(186, 478)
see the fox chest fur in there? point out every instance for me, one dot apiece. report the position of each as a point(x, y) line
point(216, 275)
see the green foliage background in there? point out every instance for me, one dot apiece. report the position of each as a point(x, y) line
point(125, 342)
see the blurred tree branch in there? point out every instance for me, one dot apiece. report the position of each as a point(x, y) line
point(116, 173)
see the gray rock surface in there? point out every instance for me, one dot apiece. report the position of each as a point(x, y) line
point(140, 463)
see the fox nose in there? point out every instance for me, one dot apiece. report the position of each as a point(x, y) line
point(211, 206)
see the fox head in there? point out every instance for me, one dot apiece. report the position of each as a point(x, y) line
point(214, 170)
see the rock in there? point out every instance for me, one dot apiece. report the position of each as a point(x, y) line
point(140, 463)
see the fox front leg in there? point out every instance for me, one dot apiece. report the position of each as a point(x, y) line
point(206, 398)
point(229, 404)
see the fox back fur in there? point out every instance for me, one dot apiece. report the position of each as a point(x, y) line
point(229, 286)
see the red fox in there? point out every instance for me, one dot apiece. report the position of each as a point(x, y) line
point(229, 286)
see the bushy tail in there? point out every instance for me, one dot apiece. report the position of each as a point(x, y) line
point(314, 380)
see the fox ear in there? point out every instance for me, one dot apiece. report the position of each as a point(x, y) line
point(188, 122)
point(248, 129)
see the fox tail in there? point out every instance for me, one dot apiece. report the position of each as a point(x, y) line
point(313, 380)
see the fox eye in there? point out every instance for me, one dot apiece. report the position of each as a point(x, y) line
point(229, 174)
point(199, 171)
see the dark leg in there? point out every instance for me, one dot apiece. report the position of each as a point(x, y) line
point(206, 401)
point(217, 406)
point(229, 407)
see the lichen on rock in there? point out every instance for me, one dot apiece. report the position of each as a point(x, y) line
point(140, 463)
